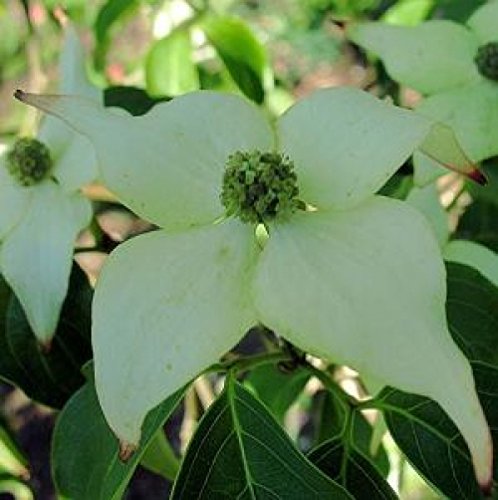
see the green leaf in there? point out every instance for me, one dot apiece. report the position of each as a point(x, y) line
point(398, 186)
point(431, 442)
point(239, 451)
point(331, 424)
point(422, 430)
point(85, 463)
point(110, 13)
point(12, 488)
point(349, 467)
point(408, 12)
point(242, 53)
point(133, 99)
point(48, 377)
point(169, 68)
point(472, 310)
point(456, 11)
point(12, 461)
point(160, 458)
point(329, 417)
point(479, 223)
point(276, 389)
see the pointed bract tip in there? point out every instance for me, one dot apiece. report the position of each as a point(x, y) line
point(478, 176)
point(484, 474)
point(45, 346)
point(126, 450)
point(487, 488)
point(20, 95)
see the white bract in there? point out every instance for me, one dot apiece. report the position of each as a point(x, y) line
point(358, 280)
point(39, 222)
point(455, 66)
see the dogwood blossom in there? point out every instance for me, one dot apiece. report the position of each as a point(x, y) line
point(455, 67)
point(344, 274)
point(41, 208)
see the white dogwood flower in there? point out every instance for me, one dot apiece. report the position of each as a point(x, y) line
point(455, 67)
point(41, 208)
point(344, 274)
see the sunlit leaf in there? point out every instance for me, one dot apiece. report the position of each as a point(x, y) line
point(408, 12)
point(169, 68)
point(12, 460)
point(242, 53)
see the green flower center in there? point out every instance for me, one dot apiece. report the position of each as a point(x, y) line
point(487, 60)
point(259, 187)
point(29, 161)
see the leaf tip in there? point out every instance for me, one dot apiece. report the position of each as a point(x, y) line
point(484, 469)
point(20, 95)
point(487, 488)
point(126, 450)
point(46, 345)
point(478, 176)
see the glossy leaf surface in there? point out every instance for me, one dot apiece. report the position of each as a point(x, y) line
point(239, 451)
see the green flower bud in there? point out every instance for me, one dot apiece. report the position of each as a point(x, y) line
point(29, 161)
point(487, 60)
point(258, 187)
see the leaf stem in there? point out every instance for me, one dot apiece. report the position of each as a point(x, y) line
point(332, 386)
point(250, 362)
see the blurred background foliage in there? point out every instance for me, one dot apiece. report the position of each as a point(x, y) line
point(145, 51)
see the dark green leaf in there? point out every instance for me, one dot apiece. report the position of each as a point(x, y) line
point(239, 451)
point(170, 69)
point(347, 466)
point(135, 100)
point(472, 310)
point(242, 53)
point(456, 11)
point(330, 422)
point(361, 436)
point(49, 377)
point(276, 389)
point(9, 368)
point(431, 442)
point(329, 416)
point(85, 463)
point(480, 224)
point(398, 186)
point(419, 426)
